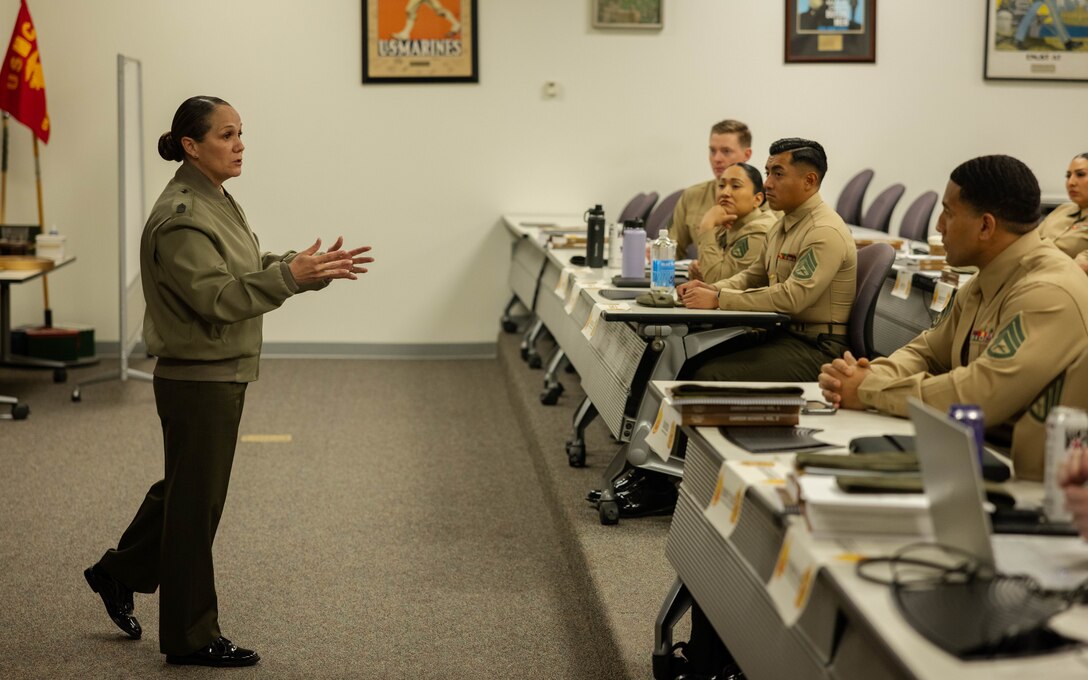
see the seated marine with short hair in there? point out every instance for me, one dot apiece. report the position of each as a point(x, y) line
point(1014, 339)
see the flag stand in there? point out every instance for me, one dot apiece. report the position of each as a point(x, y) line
point(41, 221)
point(4, 172)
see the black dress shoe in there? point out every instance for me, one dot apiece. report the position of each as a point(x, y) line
point(629, 479)
point(221, 653)
point(116, 597)
point(646, 500)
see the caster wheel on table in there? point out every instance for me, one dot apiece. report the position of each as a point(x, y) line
point(20, 411)
point(60, 375)
point(77, 395)
point(509, 326)
point(550, 395)
point(609, 512)
point(535, 361)
point(576, 454)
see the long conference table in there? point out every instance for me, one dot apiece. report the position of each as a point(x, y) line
point(789, 604)
point(617, 346)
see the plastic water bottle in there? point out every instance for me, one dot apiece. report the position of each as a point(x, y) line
point(634, 250)
point(615, 238)
point(663, 264)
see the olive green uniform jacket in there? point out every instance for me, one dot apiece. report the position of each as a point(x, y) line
point(808, 270)
point(1014, 340)
point(206, 283)
point(1067, 227)
point(722, 256)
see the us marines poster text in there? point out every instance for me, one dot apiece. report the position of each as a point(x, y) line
point(413, 41)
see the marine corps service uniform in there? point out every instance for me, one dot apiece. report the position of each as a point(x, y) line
point(808, 270)
point(1014, 340)
point(688, 213)
point(206, 285)
point(1067, 227)
point(722, 256)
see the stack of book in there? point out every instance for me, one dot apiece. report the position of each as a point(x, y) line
point(731, 406)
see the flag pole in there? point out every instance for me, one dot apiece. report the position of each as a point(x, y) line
point(41, 222)
point(4, 172)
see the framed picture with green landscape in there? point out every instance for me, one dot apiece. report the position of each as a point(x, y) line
point(628, 14)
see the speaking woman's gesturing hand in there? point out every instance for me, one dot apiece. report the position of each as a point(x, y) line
point(310, 265)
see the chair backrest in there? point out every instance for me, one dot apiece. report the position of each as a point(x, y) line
point(915, 222)
point(849, 203)
point(649, 200)
point(631, 210)
point(879, 214)
point(874, 263)
point(662, 214)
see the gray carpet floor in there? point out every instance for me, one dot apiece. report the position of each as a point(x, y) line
point(421, 523)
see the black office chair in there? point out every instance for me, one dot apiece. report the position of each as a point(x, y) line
point(874, 263)
point(879, 214)
point(661, 215)
point(915, 223)
point(849, 203)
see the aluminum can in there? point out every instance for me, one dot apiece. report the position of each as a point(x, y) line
point(1066, 434)
point(971, 416)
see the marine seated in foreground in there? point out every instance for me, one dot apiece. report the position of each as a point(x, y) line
point(1014, 339)
point(733, 233)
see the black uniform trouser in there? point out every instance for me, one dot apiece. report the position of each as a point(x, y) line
point(783, 356)
point(168, 545)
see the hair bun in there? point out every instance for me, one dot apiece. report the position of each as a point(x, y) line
point(169, 149)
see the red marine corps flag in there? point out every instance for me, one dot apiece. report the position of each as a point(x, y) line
point(22, 83)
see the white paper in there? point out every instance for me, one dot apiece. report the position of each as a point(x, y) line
point(942, 293)
point(903, 282)
point(794, 575)
point(724, 510)
point(663, 433)
point(563, 285)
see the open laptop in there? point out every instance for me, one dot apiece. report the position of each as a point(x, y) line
point(950, 475)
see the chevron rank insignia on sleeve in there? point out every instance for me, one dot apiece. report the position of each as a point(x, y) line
point(740, 248)
point(1008, 340)
point(806, 265)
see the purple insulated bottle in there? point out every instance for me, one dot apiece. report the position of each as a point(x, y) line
point(634, 250)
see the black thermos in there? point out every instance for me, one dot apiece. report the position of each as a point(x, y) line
point(595, 236)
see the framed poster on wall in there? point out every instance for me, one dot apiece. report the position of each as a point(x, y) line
point(830, 30)
point(628, 14)
point(420, 41)
point(1036, 40)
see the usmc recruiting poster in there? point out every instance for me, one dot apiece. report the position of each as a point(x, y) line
point(1037, 39)
point(419, 41)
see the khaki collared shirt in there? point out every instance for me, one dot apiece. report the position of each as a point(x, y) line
point(1066, 227)
point(688, 213)
point(808, 269)
point(1014, 341)
point(722, 256)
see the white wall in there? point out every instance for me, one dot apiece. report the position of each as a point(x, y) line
point(423, 172)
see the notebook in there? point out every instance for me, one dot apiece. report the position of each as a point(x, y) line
point(953, 486)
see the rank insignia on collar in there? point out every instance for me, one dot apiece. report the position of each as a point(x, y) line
point(1008, 340)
